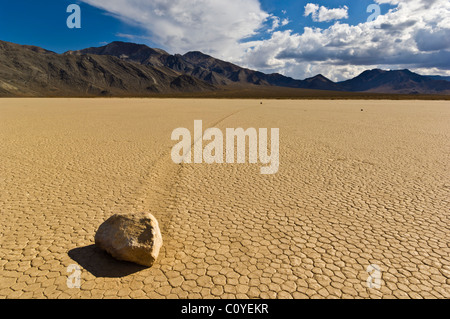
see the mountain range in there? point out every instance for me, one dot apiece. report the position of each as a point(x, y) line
point(128, 69)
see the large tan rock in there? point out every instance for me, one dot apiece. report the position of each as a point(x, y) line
point(131, 237)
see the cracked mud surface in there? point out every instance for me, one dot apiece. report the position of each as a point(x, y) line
point(354, 189)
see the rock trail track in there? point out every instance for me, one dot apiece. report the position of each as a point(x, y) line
point(354, 189)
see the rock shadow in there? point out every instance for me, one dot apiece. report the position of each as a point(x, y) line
point(102, 265)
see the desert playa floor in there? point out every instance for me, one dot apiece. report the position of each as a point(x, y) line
point(353, 189)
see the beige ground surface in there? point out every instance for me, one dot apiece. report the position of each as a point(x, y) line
point(354, 189)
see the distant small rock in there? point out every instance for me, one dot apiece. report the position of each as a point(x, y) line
point(131, 237)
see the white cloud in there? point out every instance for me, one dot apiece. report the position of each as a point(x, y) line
point(213, 26)
point(433, 40)
point(414, 35)
point(311, 9)
point(277, 22)
point(323, 14)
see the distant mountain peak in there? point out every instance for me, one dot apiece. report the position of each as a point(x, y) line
point(319, 77)
point(120, 49)
point(196, 53)
point(394, 81)
point(133, 46)
point(196, 56)
point(129, 68)
point(439, 77)
point(124, 43)
point(373, 71)
point(320, 82)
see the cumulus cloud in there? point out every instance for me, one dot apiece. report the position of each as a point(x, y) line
point(285, 22)
point(214, 26)
point(323, 14)
point(311, 9)
point(415, 35)
point(277, 22)
point(433, 40)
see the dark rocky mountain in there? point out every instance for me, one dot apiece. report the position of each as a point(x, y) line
point(30, 71)
point(439, 77)
point(196, 64)
point(319, 82)
point(128, 69)
point(399, 82)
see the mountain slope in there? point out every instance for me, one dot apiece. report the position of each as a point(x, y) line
point(27, 71)
point(439, 77)
point(196, 64)
point(221, 73)
point(400, 82)
point(319, 82)
point(128, 69)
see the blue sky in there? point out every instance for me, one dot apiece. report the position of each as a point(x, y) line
point(43, 23)
point(334, 39)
